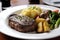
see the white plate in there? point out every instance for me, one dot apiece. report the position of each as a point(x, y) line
point(4, 28)
point(51, 2)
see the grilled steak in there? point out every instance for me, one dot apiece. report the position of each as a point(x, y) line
point(21, 23)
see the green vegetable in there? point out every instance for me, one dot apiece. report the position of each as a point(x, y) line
point(59, 14)
point(54, 16)
point(51, 26)
point(57, 23)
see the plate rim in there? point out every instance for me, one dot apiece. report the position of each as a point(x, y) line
point(24, 37)
point(50, 4)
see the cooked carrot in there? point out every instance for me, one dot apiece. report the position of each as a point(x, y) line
point(56, 11)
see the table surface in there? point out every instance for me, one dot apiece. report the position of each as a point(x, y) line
point(5, 37)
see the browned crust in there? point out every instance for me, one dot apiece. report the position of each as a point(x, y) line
point(20, 28)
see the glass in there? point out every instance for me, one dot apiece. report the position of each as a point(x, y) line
point(19, 2)
point(24, 2)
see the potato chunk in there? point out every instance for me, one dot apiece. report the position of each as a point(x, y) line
point(46, 26)
point(40, 20)
point(40, 27)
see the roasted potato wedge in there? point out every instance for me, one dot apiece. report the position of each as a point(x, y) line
point(46, 26)
point(40, 20)
point(40, 27)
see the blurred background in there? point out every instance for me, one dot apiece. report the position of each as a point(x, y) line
point(12, 3)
